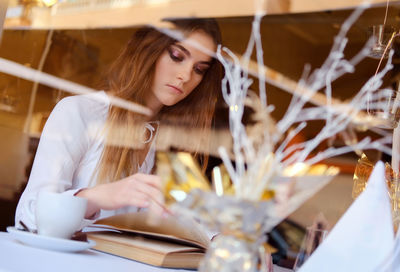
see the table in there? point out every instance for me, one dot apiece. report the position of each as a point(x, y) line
point(15, 256)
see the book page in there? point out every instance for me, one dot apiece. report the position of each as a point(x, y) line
point(155, 246)
point(170, 227)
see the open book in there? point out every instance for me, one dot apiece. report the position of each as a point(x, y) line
point(173, 242)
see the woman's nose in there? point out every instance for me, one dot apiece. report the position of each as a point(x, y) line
point(184, 73)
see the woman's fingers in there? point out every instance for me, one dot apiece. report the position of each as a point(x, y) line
point(144, 186)
point(151, 192)
point(140, 201)
point(152, 180)
point(155, 196)
point(150, 186)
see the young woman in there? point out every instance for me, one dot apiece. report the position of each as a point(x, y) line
point(91, 149)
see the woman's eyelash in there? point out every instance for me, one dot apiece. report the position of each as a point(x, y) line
point(200, 71)
point(175, 55)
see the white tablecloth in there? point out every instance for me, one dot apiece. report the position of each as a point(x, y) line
point(15, 256)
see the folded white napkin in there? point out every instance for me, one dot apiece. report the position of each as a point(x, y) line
point(363, 237)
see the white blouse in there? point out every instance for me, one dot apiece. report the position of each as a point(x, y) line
point(69, 150)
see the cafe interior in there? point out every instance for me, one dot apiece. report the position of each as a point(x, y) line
point(77, 40)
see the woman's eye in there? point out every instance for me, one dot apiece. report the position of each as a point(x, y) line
point(200, 69)
point(175, 55)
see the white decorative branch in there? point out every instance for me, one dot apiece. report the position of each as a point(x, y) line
point(256, 165)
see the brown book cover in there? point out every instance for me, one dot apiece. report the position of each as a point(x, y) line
point(170, 242)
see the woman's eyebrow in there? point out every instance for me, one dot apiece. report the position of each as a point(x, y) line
point(187, 52)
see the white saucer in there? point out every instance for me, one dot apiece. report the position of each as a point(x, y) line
point(47, 242)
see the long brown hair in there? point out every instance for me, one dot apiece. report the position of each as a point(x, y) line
point(131, 76)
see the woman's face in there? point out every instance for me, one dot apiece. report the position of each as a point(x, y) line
point(179, 70)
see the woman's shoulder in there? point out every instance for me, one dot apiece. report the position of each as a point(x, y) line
point(87, 106)
point(91, 101)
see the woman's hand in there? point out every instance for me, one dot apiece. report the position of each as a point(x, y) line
point(139, 190)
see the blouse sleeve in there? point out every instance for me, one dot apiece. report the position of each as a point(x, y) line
point(63, 143)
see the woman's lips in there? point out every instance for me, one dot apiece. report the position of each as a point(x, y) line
point(176, 89)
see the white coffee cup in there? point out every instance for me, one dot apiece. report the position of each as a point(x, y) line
point(59, 215)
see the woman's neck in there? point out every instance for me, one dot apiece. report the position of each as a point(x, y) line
point(154, 104)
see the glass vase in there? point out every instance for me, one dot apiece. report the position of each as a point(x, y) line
point(240, 226)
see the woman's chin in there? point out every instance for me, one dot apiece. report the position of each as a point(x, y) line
point(169, 103)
